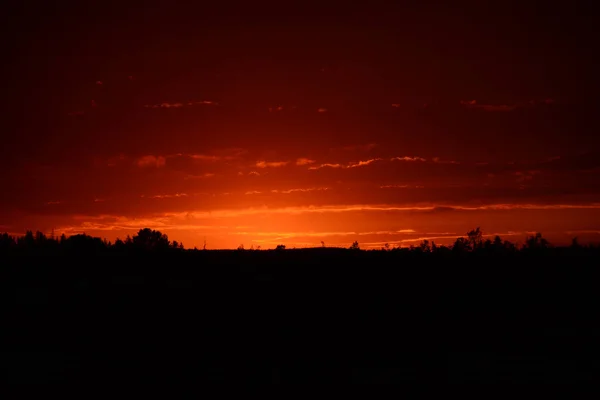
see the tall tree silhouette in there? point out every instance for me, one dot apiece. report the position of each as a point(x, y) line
point(149, 239)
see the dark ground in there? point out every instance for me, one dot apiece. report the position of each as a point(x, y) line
point(319, 315)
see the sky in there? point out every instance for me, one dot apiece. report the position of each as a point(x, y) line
point(232, 125)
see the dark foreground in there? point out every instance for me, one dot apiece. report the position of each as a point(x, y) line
point(300, 316)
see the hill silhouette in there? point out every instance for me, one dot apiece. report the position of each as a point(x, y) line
point(81, 309)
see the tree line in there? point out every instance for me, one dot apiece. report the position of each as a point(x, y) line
point(147, 239)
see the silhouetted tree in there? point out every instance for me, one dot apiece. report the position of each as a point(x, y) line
point(119, 244)
point(475, 239)
point(461, 245)
point(149, 239)
point(354, 246)
point(7, 241)
point(536, 242)
point(280, 247)
point(27, 241)
point(84, 243)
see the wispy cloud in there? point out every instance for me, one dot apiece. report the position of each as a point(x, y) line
point(205, 175)
point(272, 164)
point(472, 104)
point(53, 202)
point(287, 191)
point(326, 166)
point(304, 161)
point(363, 163)
point(205, 157)
point(322, 110)
point(583, 232)
point(181, 104)
point(437, 160)
point(181, 220)
point(376, 208)
point(166, 196)
point(291, 235)
point(401, 187)
point(151, 161)
point(405, 158)
point(523, 176)
point(355, 164)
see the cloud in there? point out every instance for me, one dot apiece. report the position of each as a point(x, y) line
point(304, 161)
point(165, 105)
point(288, 191)
point(53, 202)
point(523, 176)
point(273, 164)
point(583, 231)
point(151, 161)
point(183, 219)
point(363, 163)
point(396, 105)
point(400, 187)
point(350, 165)
point(472, 104)
point(437, 160)
point(205, 157)
point(166, 196)
point(405, 158)
point(326, 166)
point(276, 108)
point(322, 110)
point(290, 235)
point(227, 154)
point(181, 104)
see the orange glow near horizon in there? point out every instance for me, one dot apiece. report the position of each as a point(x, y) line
point(338, 226)
point(354, 193)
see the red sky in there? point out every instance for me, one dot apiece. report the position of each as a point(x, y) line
point(281, 126)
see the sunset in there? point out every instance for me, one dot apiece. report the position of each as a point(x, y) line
point(246, 127)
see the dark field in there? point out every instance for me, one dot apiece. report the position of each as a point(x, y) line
point(319, 315)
